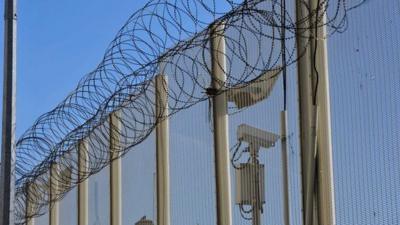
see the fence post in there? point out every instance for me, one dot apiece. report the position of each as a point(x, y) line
point(314, 104)
point(220, 122)
point(305, 109)
point(54, 204)
point(115, 170)
point(326, 198)
point(8, 145)
point(162, 154)
point(83, 202)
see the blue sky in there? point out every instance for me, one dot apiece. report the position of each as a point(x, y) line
point(58, 43)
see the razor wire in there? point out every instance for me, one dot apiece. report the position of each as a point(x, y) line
point(170, 37)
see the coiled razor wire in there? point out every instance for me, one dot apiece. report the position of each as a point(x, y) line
point(173, 35)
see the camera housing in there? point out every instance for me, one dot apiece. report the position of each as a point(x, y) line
point(256, 137)
point(248, 94)
point(144, 221)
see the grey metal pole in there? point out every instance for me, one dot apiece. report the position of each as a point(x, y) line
point(256, 204)
point(326, 199)
point(115, 170)
point(306, 109)
point(54, 188)
point(284, 153)
point(83, 187)
point(7, 177)
point(285, 171)
point(220, 120)
point(162, 150)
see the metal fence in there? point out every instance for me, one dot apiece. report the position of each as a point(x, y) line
point(219, 128)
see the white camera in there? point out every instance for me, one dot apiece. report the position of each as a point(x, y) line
point(244, 95)
point(256, 137)
point(250, 176)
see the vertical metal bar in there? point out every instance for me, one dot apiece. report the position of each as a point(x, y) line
point(326, 199)
point(255, 186)
point(285, 171)
point(83, 187)
point(220, 120)
point(162, 154)
point(54, 188)
point(7, 177)
point(115, 170)
point(155, 195)
point(284, 156)
point(306, 109)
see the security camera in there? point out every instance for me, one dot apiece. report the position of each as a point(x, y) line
point(144, 221)
point(256, 137)
point(248, 94)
